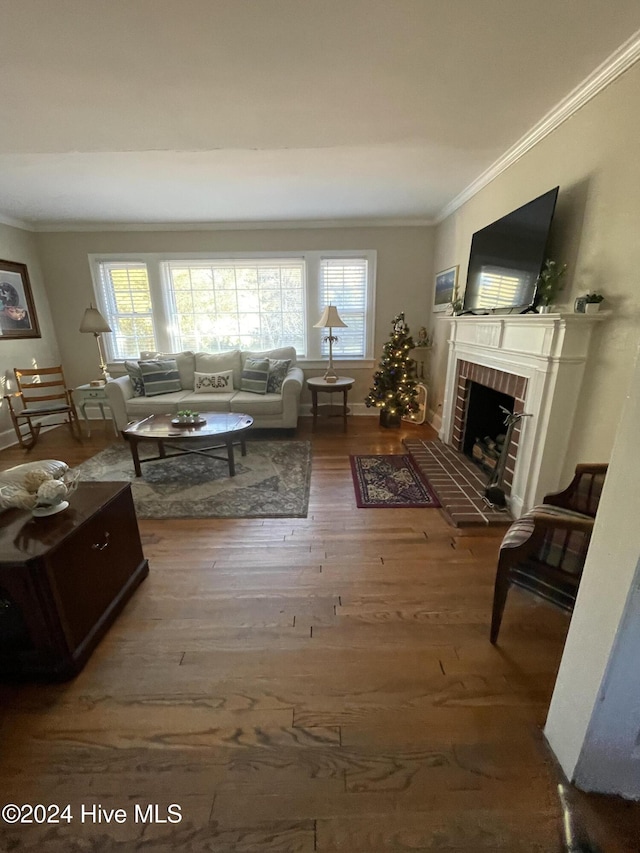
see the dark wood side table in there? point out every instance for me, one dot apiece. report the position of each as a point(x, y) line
point(64, 579)
point(319, 385)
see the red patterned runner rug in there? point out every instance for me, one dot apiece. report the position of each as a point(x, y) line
point(390, 481)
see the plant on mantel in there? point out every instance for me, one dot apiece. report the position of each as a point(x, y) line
point(593, 298)
point(550, 282)
point(457, 301)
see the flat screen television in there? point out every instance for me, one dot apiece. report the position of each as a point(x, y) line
point(507, 257)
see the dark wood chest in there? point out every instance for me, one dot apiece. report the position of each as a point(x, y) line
point(64, 579)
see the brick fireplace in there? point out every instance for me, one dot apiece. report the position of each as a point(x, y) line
point(508, 384)
point(539, 360)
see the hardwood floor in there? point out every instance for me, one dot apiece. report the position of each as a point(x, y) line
point(296, 685)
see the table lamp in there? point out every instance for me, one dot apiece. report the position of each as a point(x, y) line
point(330, 319)
point(94, 322)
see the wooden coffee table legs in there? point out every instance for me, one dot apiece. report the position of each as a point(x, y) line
point(133, 441)
point(133, 444)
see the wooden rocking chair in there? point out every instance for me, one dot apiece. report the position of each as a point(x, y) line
point(41, 392)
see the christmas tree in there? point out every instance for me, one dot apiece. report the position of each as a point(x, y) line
point(394, 387)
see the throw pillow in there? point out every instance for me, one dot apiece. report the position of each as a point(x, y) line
point(185, 361)
point(160, 376)
point(219, 362)
point(278, 369)
point(255, 375)
point(135, 375)
point(213, 383)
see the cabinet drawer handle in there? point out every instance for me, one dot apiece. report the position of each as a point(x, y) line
point(98, 547)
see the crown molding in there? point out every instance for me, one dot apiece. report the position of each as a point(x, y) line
point(47, 227)
point(613, 67)
point(16, 223)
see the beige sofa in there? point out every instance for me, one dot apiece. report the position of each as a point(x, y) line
point(267, 410)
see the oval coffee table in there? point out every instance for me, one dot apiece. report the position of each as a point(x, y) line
point(220, 430)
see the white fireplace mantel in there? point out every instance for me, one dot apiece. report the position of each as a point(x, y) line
point(550, 351)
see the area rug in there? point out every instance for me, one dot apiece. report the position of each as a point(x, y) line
point(390, 481)
point(271, 481)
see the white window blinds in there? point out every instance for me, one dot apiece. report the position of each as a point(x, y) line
point(343, 283)
point(126, 303)
point(249, 301)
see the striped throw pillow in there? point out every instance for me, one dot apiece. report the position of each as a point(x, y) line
point(160, 376)
point(255, 375)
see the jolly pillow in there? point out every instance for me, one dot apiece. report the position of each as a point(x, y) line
point(213, 383)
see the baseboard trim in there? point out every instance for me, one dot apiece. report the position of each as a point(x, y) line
point(435, 419)
point(8, 436)
point(357, 409)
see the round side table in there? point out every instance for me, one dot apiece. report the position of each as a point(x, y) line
point(319, 385)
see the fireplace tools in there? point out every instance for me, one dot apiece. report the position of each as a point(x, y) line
point(494, 494)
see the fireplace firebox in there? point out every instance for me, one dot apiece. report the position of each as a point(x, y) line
point(485, 429)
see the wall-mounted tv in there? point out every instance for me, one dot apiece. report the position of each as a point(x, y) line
point(507, 257)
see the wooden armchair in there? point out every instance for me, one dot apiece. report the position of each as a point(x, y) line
point(42, 391)
point(545, 550)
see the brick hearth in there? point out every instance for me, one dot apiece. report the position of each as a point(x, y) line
point(458, 483)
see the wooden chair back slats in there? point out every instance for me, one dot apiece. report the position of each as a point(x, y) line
point(31, 382)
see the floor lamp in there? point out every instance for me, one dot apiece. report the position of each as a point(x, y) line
point(330, 320)
point(94, 322)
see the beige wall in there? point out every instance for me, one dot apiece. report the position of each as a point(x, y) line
point(404, 262)
point(595, 158)
point(20, 246)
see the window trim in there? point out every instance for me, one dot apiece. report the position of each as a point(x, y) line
point(312, 305)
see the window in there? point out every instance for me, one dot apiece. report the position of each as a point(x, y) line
point(126, 303)
point(343, 283)
point(249, 304)
point(215, 303)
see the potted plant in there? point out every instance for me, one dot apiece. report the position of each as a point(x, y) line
point(187, 416)
point(592, 302)
point(455, 306)
point(549, 284)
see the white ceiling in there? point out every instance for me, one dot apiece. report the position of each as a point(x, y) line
point(214, 111)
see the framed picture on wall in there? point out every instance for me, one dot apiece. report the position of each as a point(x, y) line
point(446, 283)
point(18, 318)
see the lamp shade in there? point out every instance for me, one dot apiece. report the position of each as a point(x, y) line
point(94, 322)
point(330, 318)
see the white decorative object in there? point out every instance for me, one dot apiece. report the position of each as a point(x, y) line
point(42, 511)
point(50, 497)
point(38, 492)
point(213, 383)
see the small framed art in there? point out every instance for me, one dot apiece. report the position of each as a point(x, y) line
point(445, 290)
point(18, 318)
